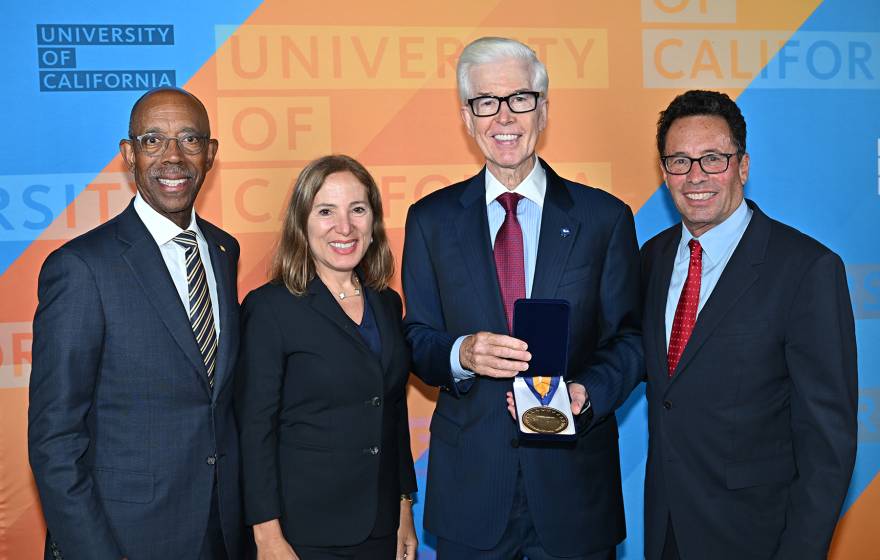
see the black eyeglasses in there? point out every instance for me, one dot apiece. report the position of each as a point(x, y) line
point(489, 105)
point(709, 163)
point(155, 144)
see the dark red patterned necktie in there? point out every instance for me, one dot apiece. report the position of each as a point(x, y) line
point(686, 312)
point(509, 260)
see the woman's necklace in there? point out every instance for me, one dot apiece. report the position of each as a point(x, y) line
point(357, 290)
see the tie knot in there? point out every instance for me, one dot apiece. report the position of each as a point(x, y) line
point(696, 248)
point(186, 239)
point(509, 200)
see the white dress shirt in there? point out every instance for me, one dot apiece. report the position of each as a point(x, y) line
point(164, 231)
point(528, 214)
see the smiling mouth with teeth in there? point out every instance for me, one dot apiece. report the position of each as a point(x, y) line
point(172, 182)
point(700, 196)
point(506, 137)
point(348, 245)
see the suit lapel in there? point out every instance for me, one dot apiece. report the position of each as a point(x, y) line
point(324, 303)
point(472, 231)
point(149, 269)
point(658, 292)
point(739, 274)
point(228, 322)
point(386, 325)
point(553, 247)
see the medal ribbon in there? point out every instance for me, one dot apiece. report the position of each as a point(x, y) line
point(543, 387)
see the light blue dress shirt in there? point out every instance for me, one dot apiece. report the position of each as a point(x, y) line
point(528, 213)
point(718, 245)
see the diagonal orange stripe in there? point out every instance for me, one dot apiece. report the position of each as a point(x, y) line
point(857, 533)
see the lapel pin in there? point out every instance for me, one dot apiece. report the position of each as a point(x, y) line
point(222, 248)
point(564, 232)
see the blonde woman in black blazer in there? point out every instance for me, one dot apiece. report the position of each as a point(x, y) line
point(321, 383)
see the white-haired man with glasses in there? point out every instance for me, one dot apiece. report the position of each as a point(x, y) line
point(751, 360)
point(518, 230)
point(131, 432)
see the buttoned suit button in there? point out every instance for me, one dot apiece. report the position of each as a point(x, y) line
point(371, 450)
point(211, 459)
point(667, 405)
point(376, 401)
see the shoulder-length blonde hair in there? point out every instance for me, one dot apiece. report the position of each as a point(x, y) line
point(293, 264)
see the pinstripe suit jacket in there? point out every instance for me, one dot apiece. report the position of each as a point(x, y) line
point(451, 289)
point(124, 433)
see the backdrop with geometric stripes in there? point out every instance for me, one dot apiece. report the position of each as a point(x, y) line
point(285, 82)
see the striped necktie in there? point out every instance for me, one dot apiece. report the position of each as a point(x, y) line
point(201, 313)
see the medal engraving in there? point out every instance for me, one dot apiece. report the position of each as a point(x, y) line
point(544, 420)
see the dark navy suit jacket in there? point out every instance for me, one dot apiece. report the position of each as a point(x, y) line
point(125, 435)
point(451, 289)
point(752, 441)
point(324, 426)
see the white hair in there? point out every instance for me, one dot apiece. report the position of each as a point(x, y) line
point(495, 49)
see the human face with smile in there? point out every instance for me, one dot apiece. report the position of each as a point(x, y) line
point(704, 200)
point(506, 139)
point(169, 181)
point(340, 226)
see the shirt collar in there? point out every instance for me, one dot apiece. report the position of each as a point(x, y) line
point(161, 228)
point(533, 187)
point(717, 241)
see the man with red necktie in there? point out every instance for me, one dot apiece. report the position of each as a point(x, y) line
point(751, 360)
point(472, 249)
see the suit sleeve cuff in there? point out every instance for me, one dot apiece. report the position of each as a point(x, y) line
point(598, 393)
point(458, 372)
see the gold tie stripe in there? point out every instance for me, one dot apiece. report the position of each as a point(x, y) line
point(201, 313)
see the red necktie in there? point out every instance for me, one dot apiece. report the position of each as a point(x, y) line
point(686, 312)
point(509, 262)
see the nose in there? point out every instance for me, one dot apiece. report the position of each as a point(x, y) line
point(696, 173)
point(504, 114)
point(343, 224)
point(172, 150)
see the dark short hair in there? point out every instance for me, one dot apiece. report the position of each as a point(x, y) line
point(293, 264)
point(701, 102)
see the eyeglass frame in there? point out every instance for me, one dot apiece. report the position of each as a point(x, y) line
point(138, 141)
point(505, 100)
point(700, 161)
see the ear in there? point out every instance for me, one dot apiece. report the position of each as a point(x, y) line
point(743, 168)
point(211, 153)
point(126, 148)
point(543, 108)
point(468, 119)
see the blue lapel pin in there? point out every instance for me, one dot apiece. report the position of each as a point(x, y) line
point(564, 232)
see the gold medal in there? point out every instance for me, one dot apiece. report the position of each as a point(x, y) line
point(544, 420)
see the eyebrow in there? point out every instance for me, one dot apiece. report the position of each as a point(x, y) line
point(514, 92)
point(704, 152)
point(184, 130)
point(330, 205)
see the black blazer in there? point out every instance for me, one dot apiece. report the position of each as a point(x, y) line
point(325, 433)
point(124, 433)
point(752, 441)
point(588, 255)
